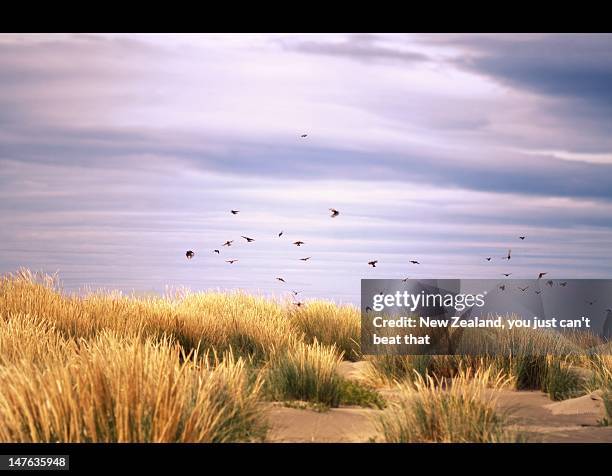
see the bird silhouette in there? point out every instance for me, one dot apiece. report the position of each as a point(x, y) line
point(298, 304)
point(281, 233)
point(414, 262)
point(564, 283)
point(295, 293)
point(334, 212)
point(538, 292)
point(523, 289)
point(373, 263)
point(590, 303)
point(506, 274)
point(405, 279)
point(522, 237)
point(502, 287)
point(305, 259)
point(541, 274)
point(298, 243)
point(235, 212)
point(368, 308)
point(488, 259)
point(509, 253)
point(281, 280)
point(231, 261)
point(247, 238)
point(190, 254)
point(550, 283)
point(228, 243)
point(304, 135)
point(216, 251)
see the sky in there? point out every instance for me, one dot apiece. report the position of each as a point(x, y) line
point(118, 153)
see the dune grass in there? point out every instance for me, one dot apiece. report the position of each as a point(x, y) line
point(330, 324)
point(118, 389)
point(199, 366)
point(533, 360)
point(601, 379)
point(307, 372)
point(251, 326)
point(433, 409)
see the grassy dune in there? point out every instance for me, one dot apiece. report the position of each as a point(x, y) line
point(431, 410)
point(105, 367)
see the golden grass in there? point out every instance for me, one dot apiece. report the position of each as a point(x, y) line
point(432, 409)
point(330, 324)
point(251, 326)
point(198, 366)
point(306, 372)
point(117, 389)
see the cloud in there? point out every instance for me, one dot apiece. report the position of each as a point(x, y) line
point(507, 172)
point(361, 47)
point(574, 66)
point(133, 148)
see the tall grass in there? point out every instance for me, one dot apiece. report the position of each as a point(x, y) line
point(306, 372)
point(251, 326)
point(330, 324)
point(601, 379)
point(431, 409)
point(198, 367)
point(388, 369)
point(117, 389)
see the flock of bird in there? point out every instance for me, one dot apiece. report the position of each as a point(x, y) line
point(190, 254)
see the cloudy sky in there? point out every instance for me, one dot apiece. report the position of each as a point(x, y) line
point(120, 152)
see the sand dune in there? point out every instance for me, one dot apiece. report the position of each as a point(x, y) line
point(532, 412)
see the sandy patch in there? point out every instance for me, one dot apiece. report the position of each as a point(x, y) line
point(338, 425)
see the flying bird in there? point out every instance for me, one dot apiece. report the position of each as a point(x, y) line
point(550, 283)
point(247, 238)
point(564, 283)
point(488, 259)
point(281, 280)
point(405, 279)
point(299, 304)
point(373, 263)
point(190, 254)
point(334, 212)
point(523, 289)
point(538, 292)
point(522, 237)
point(590, 303)
point(281, 233)
point(414, 262)
point(506, 274)
point(368, 308)
point(216, 251)
point(234, 212)
point(304, 135)
point(503, 287)
point(541, 274)
point(508, 257)
point(295, 293)
point(231, 261)
point(228, 243)
point(298, 243)
point(305, 259)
